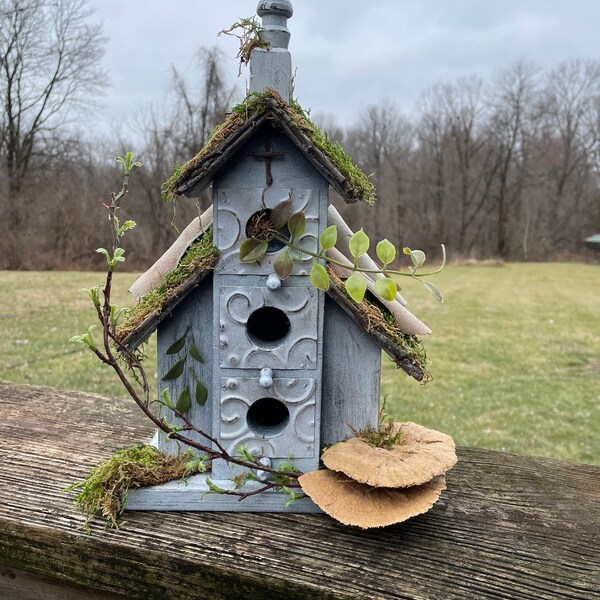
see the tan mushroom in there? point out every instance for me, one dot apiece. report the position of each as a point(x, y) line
point(354, 503)
point(417, 457)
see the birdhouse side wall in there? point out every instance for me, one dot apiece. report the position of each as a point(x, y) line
point(192, 319)
point(351, 377)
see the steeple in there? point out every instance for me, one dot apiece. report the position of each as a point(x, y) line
point(272, 67)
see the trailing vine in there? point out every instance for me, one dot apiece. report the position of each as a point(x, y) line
point(283, 218)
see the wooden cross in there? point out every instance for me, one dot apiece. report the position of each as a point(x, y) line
point(267, 155)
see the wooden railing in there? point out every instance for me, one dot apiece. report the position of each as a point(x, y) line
point(507, 527)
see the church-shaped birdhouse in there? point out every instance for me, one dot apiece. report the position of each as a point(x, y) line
point(268, 364)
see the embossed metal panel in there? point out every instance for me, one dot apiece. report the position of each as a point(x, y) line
point(296, 350)
point(297, 436)
point(234, 209)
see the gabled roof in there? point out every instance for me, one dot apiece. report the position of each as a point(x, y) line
point(242, 124)
point(191, 258)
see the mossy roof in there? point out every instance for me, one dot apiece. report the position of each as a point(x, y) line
point(242, 124)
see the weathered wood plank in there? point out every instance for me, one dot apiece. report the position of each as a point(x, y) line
point(21, 585)
point(507, 527)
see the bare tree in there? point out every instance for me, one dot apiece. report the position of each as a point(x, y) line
point(49, 64)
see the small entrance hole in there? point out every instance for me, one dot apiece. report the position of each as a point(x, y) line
point(268, 417)
point(267, 326)
point(258, 227)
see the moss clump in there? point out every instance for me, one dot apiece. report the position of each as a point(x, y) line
point(200, 256)
point(385, 436)
point(104, 490)
point(256, 103)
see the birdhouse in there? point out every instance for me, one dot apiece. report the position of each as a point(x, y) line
point(275, 366)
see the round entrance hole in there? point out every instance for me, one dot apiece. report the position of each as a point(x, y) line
point(258, 225)
point(267, 326)
point(268, 417)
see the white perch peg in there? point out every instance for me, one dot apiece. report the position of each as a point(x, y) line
point(266, 378)
point(264, 475)
point(273, 282)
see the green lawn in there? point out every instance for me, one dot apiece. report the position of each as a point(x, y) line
point(515, 352)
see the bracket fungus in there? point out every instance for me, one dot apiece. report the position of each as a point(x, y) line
point(373, 486)
point(420, 455)
point(361, 505)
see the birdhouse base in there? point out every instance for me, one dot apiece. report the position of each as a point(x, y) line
point(194, 495)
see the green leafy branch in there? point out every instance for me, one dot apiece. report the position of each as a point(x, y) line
point(254, 249)
point(126, 363)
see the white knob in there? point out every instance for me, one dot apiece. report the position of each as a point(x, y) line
point(266, 378)
point(273, 282)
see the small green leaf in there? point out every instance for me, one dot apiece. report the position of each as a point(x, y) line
point(176, 346)
point(283, 265)
point(433, 290)
point(215, 489)
point(184, 400)
point(281, 213)
point(195, 353)
point(359, 243)
point(167, 399)
point(417, 257)
point(386, 288)
point(328, 238)
point(386, 252)
point(319, 277)
point(175, 371)
point(297, 224)
point(105, 253)
point(356, 287)
point(252, 250)
point(201, 393)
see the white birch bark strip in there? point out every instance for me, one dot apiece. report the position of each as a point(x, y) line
point(152, 278)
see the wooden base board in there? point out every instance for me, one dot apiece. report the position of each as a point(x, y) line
point(194, 495)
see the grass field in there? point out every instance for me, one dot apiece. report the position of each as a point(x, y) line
point(515, 352)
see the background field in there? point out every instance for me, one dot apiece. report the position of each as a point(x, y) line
point(515, 352)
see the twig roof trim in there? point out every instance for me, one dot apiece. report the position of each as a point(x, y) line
point(406, 351)
point(328, 158)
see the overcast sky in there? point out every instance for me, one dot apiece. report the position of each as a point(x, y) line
point(348, 53)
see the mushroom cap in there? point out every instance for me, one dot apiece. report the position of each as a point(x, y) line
point(358, 504)
point(420, 455)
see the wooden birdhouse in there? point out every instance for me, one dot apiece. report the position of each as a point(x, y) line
point(278, 367)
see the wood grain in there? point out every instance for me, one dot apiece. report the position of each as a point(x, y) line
point(507, 527)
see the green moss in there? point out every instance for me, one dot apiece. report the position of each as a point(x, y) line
point(386, 435)
point(411, 343)
point(104, 490)
point(255, 104)
point(199, 257)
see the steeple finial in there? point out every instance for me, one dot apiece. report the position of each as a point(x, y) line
point(272, 67)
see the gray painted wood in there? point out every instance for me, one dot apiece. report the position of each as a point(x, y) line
point(351, 374)
point(237, 194)
point(507, 527)
point(194, 312)
point(193, 496)
point(272, 67)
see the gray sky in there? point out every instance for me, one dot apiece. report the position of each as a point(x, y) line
point(348, 53)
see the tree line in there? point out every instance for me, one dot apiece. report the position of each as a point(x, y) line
point(507, 168)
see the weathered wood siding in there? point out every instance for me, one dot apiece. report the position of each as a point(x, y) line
point(194, 315)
